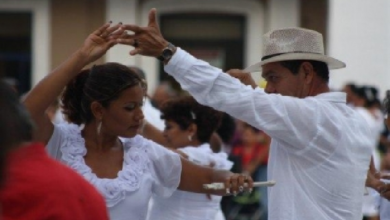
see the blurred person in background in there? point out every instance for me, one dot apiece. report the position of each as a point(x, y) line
point(163, 92)
point(366, 104)
point(384, 141)
point(55, 113)
point(349, 89)
point(189, 127)
point(226, 131)
point(35, 186)
point(380, 181)
point(253, 149)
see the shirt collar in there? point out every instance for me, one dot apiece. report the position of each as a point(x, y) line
point(337, 97)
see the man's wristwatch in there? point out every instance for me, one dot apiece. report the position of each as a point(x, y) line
point(167, 53)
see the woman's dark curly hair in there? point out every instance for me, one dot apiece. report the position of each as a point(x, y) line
point(103, 83)
point(185, 111)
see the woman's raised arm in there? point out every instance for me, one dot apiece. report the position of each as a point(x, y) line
point(49, 88)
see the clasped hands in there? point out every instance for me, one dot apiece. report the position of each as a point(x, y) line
point(375, 181)
point(146, 41)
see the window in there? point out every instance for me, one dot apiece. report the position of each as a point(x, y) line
point(15, 50)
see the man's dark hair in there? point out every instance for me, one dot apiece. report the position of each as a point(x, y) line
point(319, 67)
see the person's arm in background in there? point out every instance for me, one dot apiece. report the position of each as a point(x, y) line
point(152, 133)
point(216, 143)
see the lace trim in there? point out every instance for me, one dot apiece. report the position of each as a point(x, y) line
point(129, 178)
point(220, 160)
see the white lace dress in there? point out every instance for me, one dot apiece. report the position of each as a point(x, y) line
point(187, 205)
point(148, 169)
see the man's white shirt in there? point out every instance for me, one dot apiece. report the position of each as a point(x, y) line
point(319, 156)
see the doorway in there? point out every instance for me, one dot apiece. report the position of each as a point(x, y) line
point(15, 49)
point(215, 38)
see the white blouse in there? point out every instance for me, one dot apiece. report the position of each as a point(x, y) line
point(187, 205)
point(148, 168)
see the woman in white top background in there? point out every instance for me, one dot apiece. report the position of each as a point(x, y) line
point(188, 129)
point(104, 107)
point(366, 102)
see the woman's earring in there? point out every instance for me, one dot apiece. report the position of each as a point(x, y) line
point(99, 128)
point(190, 137)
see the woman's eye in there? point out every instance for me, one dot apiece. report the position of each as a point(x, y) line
point(130, 107)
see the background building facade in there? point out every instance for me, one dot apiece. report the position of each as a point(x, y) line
point(37, 35)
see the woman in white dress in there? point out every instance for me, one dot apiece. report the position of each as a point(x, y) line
point(366, 101)
point(104, 107)
point(188, 129)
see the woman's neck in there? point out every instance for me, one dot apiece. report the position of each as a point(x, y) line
point(99, 142)
point(193, 143)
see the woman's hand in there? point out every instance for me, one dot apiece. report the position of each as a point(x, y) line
point(147, 41)
point(101, 40)
point(194, 177)
point(238, 183)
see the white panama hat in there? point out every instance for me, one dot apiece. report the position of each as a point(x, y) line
point(294, 44)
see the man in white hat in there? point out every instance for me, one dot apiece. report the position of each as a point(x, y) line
point(319, 156)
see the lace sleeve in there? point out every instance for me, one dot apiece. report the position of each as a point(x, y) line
point(54, 144)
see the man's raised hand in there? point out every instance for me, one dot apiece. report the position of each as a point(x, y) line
point(147, 41)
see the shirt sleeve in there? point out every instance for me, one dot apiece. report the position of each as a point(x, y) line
point(196, 156)
point(281, 117)
point(166, 169)
point(204, 158)
point(55, 142)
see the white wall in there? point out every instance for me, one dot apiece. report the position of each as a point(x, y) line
point(283, 13)
point(359, 34)
point(124, 11)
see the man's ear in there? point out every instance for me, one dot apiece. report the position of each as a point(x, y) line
point(97, 110)
point(308, 72)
